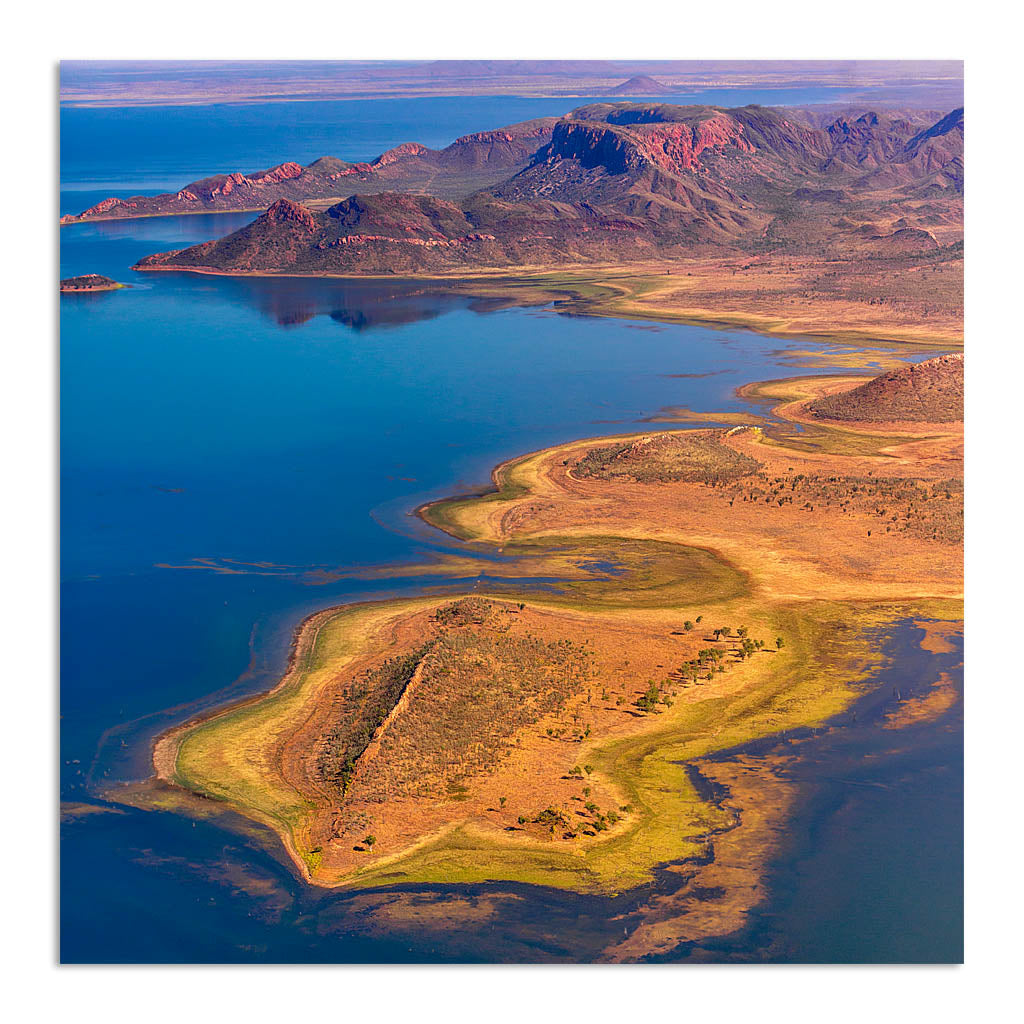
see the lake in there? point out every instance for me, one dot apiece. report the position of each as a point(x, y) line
point(294, 424)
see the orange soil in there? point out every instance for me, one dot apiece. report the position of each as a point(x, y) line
point(535, 775)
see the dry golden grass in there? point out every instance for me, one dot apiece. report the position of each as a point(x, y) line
point(916, 300)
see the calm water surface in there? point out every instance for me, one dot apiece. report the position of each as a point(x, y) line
point(295, 423)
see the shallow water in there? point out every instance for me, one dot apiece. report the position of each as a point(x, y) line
point(873, 869)
point(279, 427)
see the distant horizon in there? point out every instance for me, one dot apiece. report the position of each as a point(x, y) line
point(139, 83)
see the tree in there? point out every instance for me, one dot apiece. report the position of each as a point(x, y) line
point(779, 643)
point(369, 841)
point(727, 631)
point(502, 800)
point(700, 619)
point(741, 632)
point(687, 625)
point(718, 634)
point(649, 700)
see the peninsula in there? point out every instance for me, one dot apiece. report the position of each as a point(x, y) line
point(540, 732)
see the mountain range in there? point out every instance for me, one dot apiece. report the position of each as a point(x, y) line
point(610, 181)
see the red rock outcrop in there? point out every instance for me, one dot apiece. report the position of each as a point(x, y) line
point(226, 184)
point(284, 211)
point(675, 148)
point(101, 209)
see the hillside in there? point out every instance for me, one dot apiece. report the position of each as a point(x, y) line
point(928, 392)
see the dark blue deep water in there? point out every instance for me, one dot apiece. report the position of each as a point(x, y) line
point(294, 424)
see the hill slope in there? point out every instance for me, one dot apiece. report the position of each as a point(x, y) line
point(928, 392)
point(639, 85)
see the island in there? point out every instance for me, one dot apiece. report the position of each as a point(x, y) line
point(651, 600)
point(89, 283)
point(767, 218)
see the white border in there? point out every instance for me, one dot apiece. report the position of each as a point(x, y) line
point(36, 39)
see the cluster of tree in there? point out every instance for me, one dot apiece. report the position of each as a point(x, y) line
point(552, 818)
point(652, 697)
point(710, 659)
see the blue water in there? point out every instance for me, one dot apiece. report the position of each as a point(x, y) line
point(145, 150)
point(291, 423)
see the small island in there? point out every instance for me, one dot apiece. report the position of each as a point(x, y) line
point(89, 283)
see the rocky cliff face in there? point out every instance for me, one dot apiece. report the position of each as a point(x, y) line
point(227, 184)
point(675, 148)
point(284, 211)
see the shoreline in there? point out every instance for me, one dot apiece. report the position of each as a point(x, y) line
point(62, 223)
point(164, 746)
point(532, 277)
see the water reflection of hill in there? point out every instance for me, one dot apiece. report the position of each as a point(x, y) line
point(360, 305)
